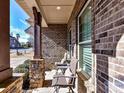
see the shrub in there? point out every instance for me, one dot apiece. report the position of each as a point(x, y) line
point(24, 68)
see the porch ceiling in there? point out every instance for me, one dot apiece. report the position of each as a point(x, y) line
point(27, 6)
point(54, 16)
point(48, 9)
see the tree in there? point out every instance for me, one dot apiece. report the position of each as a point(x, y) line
point(17, 37)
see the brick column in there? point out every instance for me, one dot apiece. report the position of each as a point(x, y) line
point(5, 71)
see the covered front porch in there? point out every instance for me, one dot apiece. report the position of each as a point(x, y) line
point(48, 20)
point(91, 31)
point(52, 23)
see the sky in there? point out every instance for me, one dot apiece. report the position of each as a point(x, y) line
point(17, 21)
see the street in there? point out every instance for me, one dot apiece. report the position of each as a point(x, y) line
point(16, 60)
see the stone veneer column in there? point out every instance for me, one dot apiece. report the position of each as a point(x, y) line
point(5, 71)
point(37, 73)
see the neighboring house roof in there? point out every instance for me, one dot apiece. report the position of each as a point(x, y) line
point(14, 43)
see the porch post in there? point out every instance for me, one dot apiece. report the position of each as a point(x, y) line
point(37, 66)
point(37, 34)
point(5, 71)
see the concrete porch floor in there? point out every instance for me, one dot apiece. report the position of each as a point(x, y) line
point(47, 86)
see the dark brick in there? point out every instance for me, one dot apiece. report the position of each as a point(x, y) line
point(119, 22)
point(102, 80)
point(100, 3)
point(106, 3)
point(103, 35)
point(98, 51)
point(107, 52)
point(103, 11)
point(97, 11)
point(104, 76)
point(98, 41)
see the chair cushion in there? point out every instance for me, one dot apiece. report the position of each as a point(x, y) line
point(59, 81)
point(68, 73)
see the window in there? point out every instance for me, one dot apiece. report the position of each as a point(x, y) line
point(84, 34)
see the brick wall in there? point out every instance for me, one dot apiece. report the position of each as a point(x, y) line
point(108, 42)
point(109, 45)
point(54, 42)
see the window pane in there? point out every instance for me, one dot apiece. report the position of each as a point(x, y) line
point(86, 58)
point(85, 25)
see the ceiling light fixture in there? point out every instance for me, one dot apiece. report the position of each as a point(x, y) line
point(58, 7)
